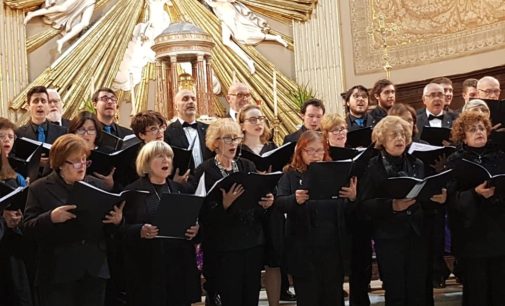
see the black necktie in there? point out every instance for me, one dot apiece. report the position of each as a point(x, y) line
point(431, 117)
point(191, 125)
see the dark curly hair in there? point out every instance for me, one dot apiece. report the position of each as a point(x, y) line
point(466, 120)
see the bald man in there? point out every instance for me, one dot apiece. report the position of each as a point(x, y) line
point(55, 115)
point(185, 132)
point(488, 88)
point(238, 96)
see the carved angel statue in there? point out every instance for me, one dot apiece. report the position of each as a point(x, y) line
point(139, 52)
point(241, 24)
point(70, 16)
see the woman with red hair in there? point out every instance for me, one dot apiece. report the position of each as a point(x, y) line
point(314, 228)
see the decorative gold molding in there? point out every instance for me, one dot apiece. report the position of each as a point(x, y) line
point(429, 31)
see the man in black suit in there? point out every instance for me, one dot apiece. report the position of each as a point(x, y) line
point(105, 103)
point(39, 128)
point(312, 111)
point(238, 96)
point(55, 115)
point(446, 84)
point(433, 114)
point(488, 87)
point(185, 132)
point(384, 93)
point(356, 100)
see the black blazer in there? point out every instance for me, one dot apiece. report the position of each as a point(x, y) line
point(374, 206)
point(66, 252)
point(378, 113)
point(477, 224)
point(232, 229)
point(293, 137)
point(175, 136)
point(119, 131)
point(53, 132)
point(369, 121)
point(422, 120)
point(160, 271)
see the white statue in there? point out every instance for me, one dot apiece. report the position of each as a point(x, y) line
point(243, 25)
point(70, 16)
point(139, 52)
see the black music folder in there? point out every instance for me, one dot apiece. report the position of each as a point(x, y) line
point(359, 138)
point(337, 153)
point(183, 159)
point(497, 109)
point(276, 158)
point(470, 174)
point(103, 162)
point(12, 198)
point(255, 185)
point(324, 179)
point(25, 157)
point(429, 153)
point(435, 135)
point(176, 213)
point(405, 187)
point(94, 203)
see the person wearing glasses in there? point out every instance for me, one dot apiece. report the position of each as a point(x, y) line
point(105, 102)
point(14, 260)
point(159, 271)
point(477, 213)
point(55, 115)
point(312, 111)
point(148, 126)
point(238, 96)
point(433, 114)
point(334, 129)
point(256, 136)
point(356, 99)
point(187, 133)
point(398, 225)
point(233, 237)
point(488, 87)
point(314, 228)
point(72, 263)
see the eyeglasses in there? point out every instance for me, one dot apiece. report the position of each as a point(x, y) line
point(338, 131)
point(312, 151)
point(231, 140)
point(83, 131)
point(489, 92)
point(156, 130)
point(255, 120)
point(106, 99)
point(79, 164)
point(7, 136)
point(475, 129)
point(434, 95)
point(241, 95)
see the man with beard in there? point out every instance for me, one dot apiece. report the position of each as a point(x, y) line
point(105, 103)
point(55, 115)
point(356, 99)
point(469, 89)
point(238, 96)
point(384, 93)
point(185, 132)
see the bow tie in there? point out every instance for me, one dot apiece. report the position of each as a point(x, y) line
point(191, 125)
point(432, 117)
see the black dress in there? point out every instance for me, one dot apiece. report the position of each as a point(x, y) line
point(313, 245)
point(232, 243)
point(72, 264)
point(14, 283)
point(400, 242)
point(160, 272)
point(478, 231)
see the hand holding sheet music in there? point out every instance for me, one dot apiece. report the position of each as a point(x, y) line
point(471, 174)
point(405, 187)
point(177, 213)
